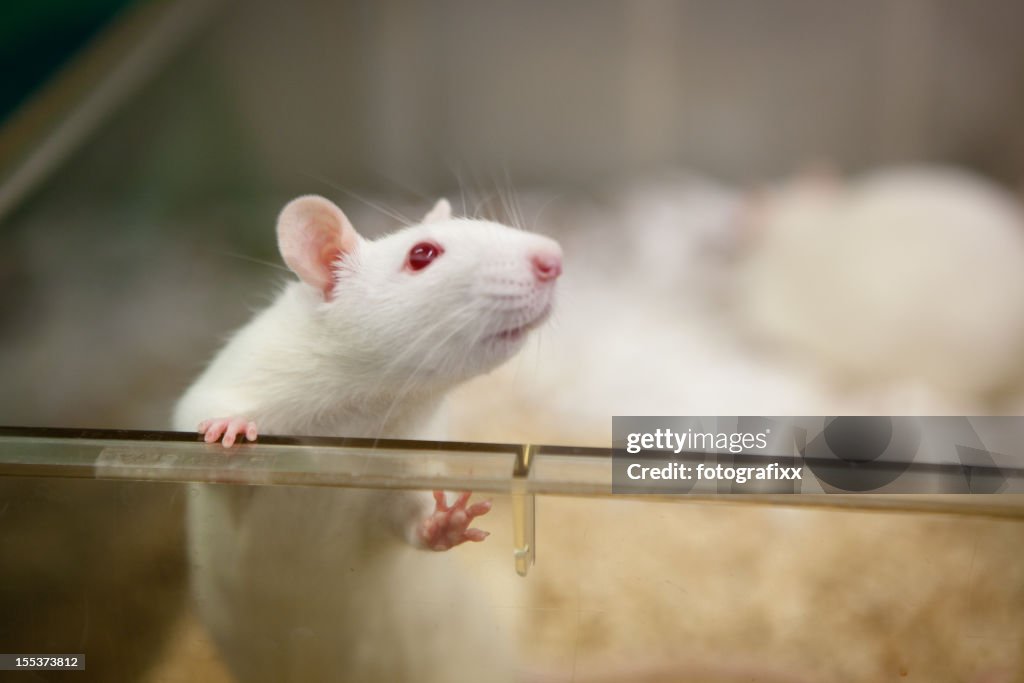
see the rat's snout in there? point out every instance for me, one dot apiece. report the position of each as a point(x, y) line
point(547, 265)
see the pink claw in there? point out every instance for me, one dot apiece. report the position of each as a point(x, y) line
point(230, 428)
point(448, 527)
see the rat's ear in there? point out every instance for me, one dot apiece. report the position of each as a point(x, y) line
point(312, 234)
point(442, 211)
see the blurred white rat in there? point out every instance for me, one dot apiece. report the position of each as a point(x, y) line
point(905, 274)
point(302, 584)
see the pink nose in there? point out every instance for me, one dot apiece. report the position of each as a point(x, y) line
point(546, 266)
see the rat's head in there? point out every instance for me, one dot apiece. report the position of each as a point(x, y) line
point(433, 303)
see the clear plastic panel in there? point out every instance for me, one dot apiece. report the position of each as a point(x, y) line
point(97, 560)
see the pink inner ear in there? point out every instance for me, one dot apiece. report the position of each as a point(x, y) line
point(311, 251)
point(329, 255)
point(312, 234)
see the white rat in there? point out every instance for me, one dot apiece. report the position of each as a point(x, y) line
point(905, 274)
point(303, 584)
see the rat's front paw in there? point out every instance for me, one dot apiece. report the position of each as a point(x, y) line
point(448, 527)
point(227, 430)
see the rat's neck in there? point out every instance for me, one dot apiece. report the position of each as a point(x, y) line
point(410, 417)
point(298, 375)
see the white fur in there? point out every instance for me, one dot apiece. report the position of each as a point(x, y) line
point(913, 274)
point(314, 584)
point(376, 359)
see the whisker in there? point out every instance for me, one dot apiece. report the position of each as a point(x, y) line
point(390, 213)
point(414, 345)
point(462, 190)
point(515, 211)
point(503, 196)
point(250, 259)
point(536, 216)
point(408, 190)
point(478, 211)
point(471, 189)
point(407, 386)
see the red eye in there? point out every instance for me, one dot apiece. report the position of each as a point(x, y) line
point(422, 254)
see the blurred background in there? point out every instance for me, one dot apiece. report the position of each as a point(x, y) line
point(161, 138)
point(146, 147)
